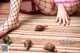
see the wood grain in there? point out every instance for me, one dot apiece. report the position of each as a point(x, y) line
point(65, 38)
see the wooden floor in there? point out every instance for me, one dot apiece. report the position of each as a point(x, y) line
point(65, 38)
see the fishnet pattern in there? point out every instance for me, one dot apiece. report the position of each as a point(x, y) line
point(12, 21)
point(45, 6)
point(71, 7)
point(78, 10)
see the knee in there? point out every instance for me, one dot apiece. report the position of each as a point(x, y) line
point(49, 11)
point(71, 6)
point(71, 10)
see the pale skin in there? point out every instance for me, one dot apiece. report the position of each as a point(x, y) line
point(62, 15)
point(45, 7)
point(62, 18)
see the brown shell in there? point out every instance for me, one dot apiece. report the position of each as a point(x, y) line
point(49, 47)
point(27, 44)
point(39, 28)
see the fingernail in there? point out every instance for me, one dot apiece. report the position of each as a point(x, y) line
point(60, 23)
point(64, 24)
point(69, 24)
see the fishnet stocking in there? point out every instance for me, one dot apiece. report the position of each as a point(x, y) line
point(78, 10)
point(46, 7)
point(12, 21)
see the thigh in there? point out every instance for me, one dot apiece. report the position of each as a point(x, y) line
point(78, 10)
point(46, 7)
point(71, 6)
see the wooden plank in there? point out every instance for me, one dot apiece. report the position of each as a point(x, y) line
point(65, 38)
point(67, 51)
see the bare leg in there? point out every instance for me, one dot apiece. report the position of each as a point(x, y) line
point(12, 21)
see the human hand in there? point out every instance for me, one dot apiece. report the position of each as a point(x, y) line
point(62, 17)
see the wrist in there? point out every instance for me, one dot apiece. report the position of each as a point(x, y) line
point(61, 7)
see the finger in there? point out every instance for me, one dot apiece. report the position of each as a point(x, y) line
point(57, 19)
point(69, 23)
point(66, 19)
point(64, 22)
point(69, 18)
